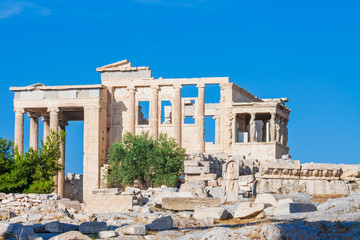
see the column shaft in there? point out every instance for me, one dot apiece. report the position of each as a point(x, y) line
point(131, 110)
point(34, 131)
point(61, 173)
point(19, 130)
point(46, 121)
point(176, 117)
point(217, 129)
point(154, 115)
point(201, 116)
point(54, 125)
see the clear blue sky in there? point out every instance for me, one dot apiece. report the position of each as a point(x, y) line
point(307, 51)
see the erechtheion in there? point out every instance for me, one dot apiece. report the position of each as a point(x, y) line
point(244, 124)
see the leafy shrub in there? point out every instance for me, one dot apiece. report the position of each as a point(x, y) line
point(139, 159)
point(32, 172)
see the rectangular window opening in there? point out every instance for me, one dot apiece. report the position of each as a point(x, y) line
point(210, 129)
point(189, 120)
point(166, 112)
point(143, 113)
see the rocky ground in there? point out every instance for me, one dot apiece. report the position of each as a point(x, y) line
point(268, 216)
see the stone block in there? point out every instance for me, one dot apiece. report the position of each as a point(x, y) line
point(320, 171)
point(191, 163)
point(217, 192)
point(292, 207)
point(285, 169)
point(208, 176)
point(158, 197)
point(107, 234)
point(183, 204)
point(246, 178)
point(196, 170)
point(271, 199)
point(194, 186)
point(132, 230)
point(350, 172)
point(212, 183)
point(92, 227)
point(249, 209)
point(161, 224)
point(218, 213)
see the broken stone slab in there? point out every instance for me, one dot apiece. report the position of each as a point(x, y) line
point(191, 163)
point(139, 230)
point(194, 186)
point(184, 204)
point(207, 176)
point(249, 209)
point(107, 234)
point(69, 204)
point(92, 227)
point(292, 207)
point(246, 178)
point(350, 172)
point(71, 236)
point(218, 213)
point(161, 224)
point(217, 192)
point(323, 171)
point(158, 197)
point(271, 199)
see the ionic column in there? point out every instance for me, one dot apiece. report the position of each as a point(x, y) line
point(201, 116)
point(46, 121)
point(154, 115)
point(217, 129)
point(252, 128)
point(131, 110)
point(176, 116)
point(273, 127)
point(54, 125)
point(61, 173)
point(34, 131)
point(19, 129)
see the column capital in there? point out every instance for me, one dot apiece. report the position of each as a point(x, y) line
point(200, 85)
point(33, 115)
point(19, 110)
point(53, 109)
point(92, 107)
point(224, 86)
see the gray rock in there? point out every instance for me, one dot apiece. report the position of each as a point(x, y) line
point(58, 227)
point(287, 208)
point(194, 186)
point(92, 227)
point(160, 224)
point(217, 192)
point(35, 218)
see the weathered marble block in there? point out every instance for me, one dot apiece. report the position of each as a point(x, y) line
point(320, 171)
point(283, 169)
point(350, 172)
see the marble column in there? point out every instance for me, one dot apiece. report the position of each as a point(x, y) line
point(34, 131)
point(201, 116)
point(273, 127)
point(252, 128)
point(176, 116)
point(154, 112)
point(61, 173)
point(19, 129)
point(217, 129)
point(54, 125)
point(46, 121)
point(131, 110)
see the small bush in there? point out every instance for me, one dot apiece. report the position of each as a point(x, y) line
point(32, 172)
point(139, 159)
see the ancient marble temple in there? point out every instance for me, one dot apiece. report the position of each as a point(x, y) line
point(129, 99)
